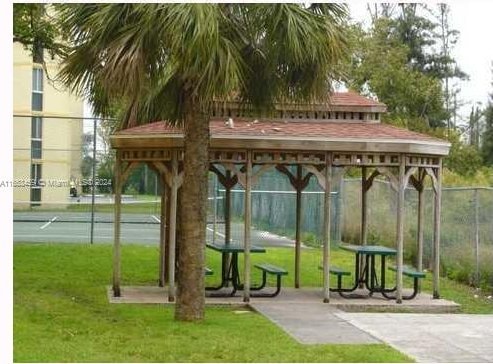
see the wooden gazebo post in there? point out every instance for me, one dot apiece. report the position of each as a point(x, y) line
point(247, 225)
point(326, 233)
point(172, 226)
point(365, 187)
point(400, 226)
point(436, 230)
point(297, 251)
point(421, 215)
point(116, 226)
point(121, 174)
point(163, 229)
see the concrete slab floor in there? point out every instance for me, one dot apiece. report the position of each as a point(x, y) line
point(422, 303)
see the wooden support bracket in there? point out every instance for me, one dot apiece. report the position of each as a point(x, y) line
point(431, 172)
point(318, 172)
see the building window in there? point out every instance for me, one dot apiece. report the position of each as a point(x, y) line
point(36, 135)
point(36, 127)
point(36, 149)
point(37, 94)
point(35, 184)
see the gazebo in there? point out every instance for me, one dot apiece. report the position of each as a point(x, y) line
point(318, 141)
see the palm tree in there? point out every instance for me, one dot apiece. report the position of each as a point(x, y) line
point(169, 61)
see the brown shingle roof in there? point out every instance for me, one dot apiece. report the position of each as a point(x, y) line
point(351, 98)
point(308, 129)
point(348, 98)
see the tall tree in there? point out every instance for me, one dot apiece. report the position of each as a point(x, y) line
point(442, 65)
point(379, 66)
point(37, 30)
point(168, 61)
point(416, 31)
point(475, 126)
point(487, 142)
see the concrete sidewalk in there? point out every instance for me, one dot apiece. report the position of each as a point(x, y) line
point(437, 338)
point(313, 323)
point(428, 338)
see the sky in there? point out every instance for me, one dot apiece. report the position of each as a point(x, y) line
point(473, 51)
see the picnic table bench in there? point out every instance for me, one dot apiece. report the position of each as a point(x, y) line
point(412, 273)
point(339, 272)
point(267, 268)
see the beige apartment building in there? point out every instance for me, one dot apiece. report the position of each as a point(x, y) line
point(47, 134)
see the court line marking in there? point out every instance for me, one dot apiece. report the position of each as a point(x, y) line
point(48, 223)
point(84, 236)
point(217, 232)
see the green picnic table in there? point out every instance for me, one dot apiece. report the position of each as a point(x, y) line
point(368, 275)
point(230, 270)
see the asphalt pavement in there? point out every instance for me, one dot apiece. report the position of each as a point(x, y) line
point(75, 227)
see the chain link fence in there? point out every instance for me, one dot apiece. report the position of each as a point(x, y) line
point(466, 227)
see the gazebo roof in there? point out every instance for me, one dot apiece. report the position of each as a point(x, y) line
point(362, 136)
point(335, 101)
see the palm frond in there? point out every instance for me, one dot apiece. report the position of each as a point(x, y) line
point(148, 57)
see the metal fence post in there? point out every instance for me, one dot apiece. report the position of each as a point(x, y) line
point(476, 237)
point(339, 212)
point(93, 179)
point(214, 209)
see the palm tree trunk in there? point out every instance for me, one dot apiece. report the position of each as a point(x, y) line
point(193, 211)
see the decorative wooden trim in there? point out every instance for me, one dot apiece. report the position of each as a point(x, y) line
point(285, 157)
point(422, 161)
point(227, 156)
point(146, 155)
point(409, 173)
point(431, 172)
point(226, 182)
point(384, 171)
point(296, 183)
point(168, 175)
point(126, 170)
point(235, 172)
point(366, 159)
point(318, 173)
point(415, 183)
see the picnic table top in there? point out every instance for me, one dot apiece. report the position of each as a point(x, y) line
point(233, 248)
point(369, 249)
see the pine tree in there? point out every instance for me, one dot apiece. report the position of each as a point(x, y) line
point(487, 142)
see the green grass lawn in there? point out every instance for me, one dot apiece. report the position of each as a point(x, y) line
point(144, 207)
point(62, 314)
